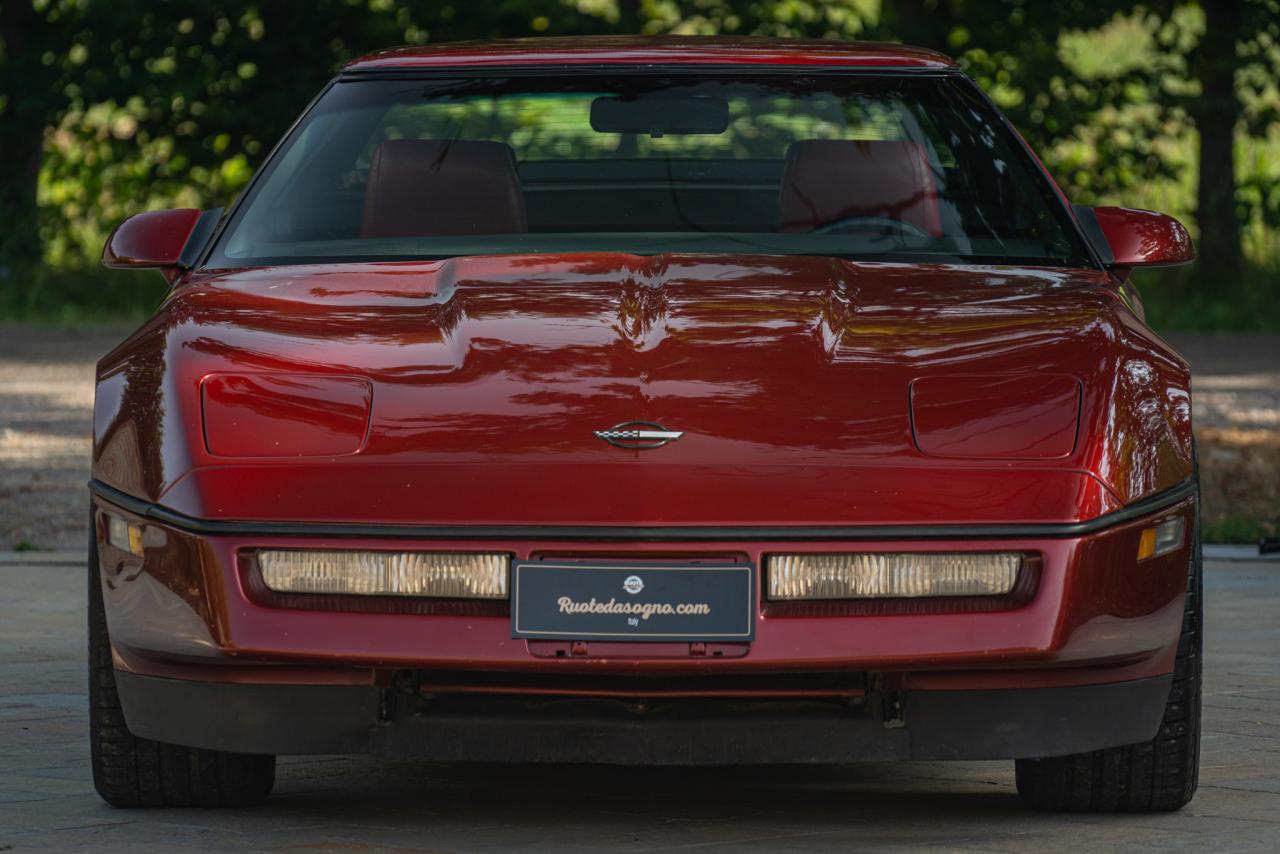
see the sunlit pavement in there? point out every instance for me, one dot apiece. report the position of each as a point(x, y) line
point(355, 804)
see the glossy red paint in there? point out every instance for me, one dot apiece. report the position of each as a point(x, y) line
point(1145, 238)
point(996, 416)
point(151, 239)
point(810, 392)
point(1097, 615)
point(791, 377)
point(284, 415)
point(645, 50)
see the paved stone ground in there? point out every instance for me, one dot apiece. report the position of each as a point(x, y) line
point(46, 413)
point(355, 804)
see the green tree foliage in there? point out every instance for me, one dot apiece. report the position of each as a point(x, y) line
point(1235, 61)
point(1209, 66)
point(139, 103)
point(110, 107)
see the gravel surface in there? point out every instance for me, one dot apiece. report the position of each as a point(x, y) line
point(46, 431)
point(46, 411)
point(1236, 380)
point(1236, 410)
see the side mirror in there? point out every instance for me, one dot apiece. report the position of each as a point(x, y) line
point(169, 241)
point(1126, 237)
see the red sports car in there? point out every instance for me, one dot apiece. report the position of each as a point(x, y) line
point(647, 401)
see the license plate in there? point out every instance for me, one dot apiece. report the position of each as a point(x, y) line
point(634, 601)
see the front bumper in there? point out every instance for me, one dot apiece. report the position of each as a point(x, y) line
point(934, 725)
point(1083, 663)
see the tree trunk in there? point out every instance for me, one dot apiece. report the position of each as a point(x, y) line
point(1217, 114)
point(22, 141)
point(629, 17)
point(921, 23)
point(22, 127)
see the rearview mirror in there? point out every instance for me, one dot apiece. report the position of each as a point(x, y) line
point(165, 240)
point(658, 116)
point(1127, 237)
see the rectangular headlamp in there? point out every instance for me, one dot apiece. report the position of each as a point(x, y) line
point(443, 575)
point(875, 575)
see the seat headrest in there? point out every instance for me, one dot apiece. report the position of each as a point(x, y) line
point(422, 187)
point(825, 180)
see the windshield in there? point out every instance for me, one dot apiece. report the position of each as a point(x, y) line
point(863, 166)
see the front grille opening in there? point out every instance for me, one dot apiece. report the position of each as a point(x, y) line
point(836, 685)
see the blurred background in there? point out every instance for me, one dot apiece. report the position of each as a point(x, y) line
point(109, 107)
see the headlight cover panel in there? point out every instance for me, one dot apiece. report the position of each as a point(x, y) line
point(285, 414)
point(996, 416)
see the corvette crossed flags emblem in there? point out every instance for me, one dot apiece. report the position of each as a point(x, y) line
point(638, 435)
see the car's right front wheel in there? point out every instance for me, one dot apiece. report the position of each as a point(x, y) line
point(1159, 775)
point(129, 771)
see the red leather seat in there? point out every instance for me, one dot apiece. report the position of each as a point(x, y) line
point(826, 180)
point(421, 188)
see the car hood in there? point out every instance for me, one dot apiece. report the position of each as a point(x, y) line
point(494, 373)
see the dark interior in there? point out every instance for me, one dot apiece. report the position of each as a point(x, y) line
point(854, 166)
point(559, 196)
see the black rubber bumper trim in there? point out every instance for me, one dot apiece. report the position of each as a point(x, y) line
point(1033, 723)
point(1050, 530)
point(1002, 724)
point(249, 718)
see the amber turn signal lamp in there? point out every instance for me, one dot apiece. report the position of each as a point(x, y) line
point(1161, 539)
point(124, 536)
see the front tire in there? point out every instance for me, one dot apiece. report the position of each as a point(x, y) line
point(137, 772)
point(1160, 775)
